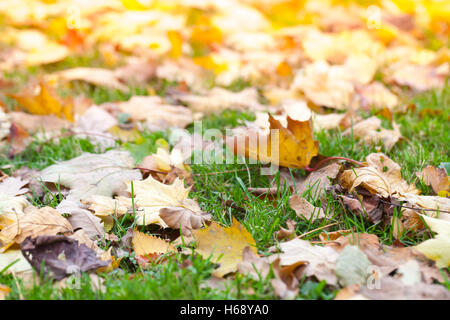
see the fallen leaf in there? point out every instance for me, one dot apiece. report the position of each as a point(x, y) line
point(93, 174)
point(156, 113)
point(370, 131)
point(35, 222)
point(13, 186)
point(304, 209)
point(286, 233)
point(97, 76)
point(13, 262)
point(41, 100)
point(436, 178)
point(252, 265)
point(382, 176)
point(293, 146)
point(34, 123)
point(351, 266)
point(320, 261)
point(166, 205)
point(438, 248)
point(149, 248)
point(224, 245)
point(82, 219)
point(60, 256)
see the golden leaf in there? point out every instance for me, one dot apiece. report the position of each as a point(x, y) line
point(296, 145)
point(41, 100)
point(224, 245)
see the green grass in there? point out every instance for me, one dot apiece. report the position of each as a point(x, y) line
point(426, 143)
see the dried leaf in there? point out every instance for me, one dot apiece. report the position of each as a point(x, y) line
point(382, 176)
point(35, 222)
point(304, 209)
point(436, 178)
point(61, 256)
point(292, 146)
point(320, 261)
point(93, 174)
point(224, 245)
point(166, 205)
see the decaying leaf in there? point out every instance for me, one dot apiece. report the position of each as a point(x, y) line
point(286, 233)
point(320, 261)
point(166, 205)
point(93, 174)
point(35, 222)
point(351, 266)
point(12, 261)
point(370, 131)
point(382, 176)
point(304, 209)
point(82, 219)
point(60, 256)
point(436, 178)
point(224, 245)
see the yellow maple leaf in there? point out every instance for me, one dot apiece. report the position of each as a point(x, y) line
point(146, 244)
point(41, 100)
point(295, 147)
point(224, 245)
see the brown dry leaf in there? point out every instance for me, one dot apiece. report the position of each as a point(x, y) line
point(365, 206)
point(286, 233)
point(34, 123)
point(286, 280)
point(63, 256)
point(425, 77)
point(166, 205)
point(224, 245)
point(395, 289)
point(252, 265)
point(40, 99)
point(82, 218)
point(35, 222)
point(318, 180)
point(363, 240)
point(97, 76)
point(382, 176)
point(93, 174)
point(436, 178)
point(13, 186)
point(320, 260)
point(293, 146)
point(378, 96)
point(304, 209)
point(156, 113)
point(370, 131)
point(218, 99)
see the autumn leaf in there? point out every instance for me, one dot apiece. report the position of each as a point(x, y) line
point(294, 145)
point(93, 174)
point(438, 248)
point(382, 176)
point(63, 256)
point(304, 209)
point(149, 248)
point(41, 100)
point(166, 205)
point(35, 222)
point(436, 178)
point(224, 245)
